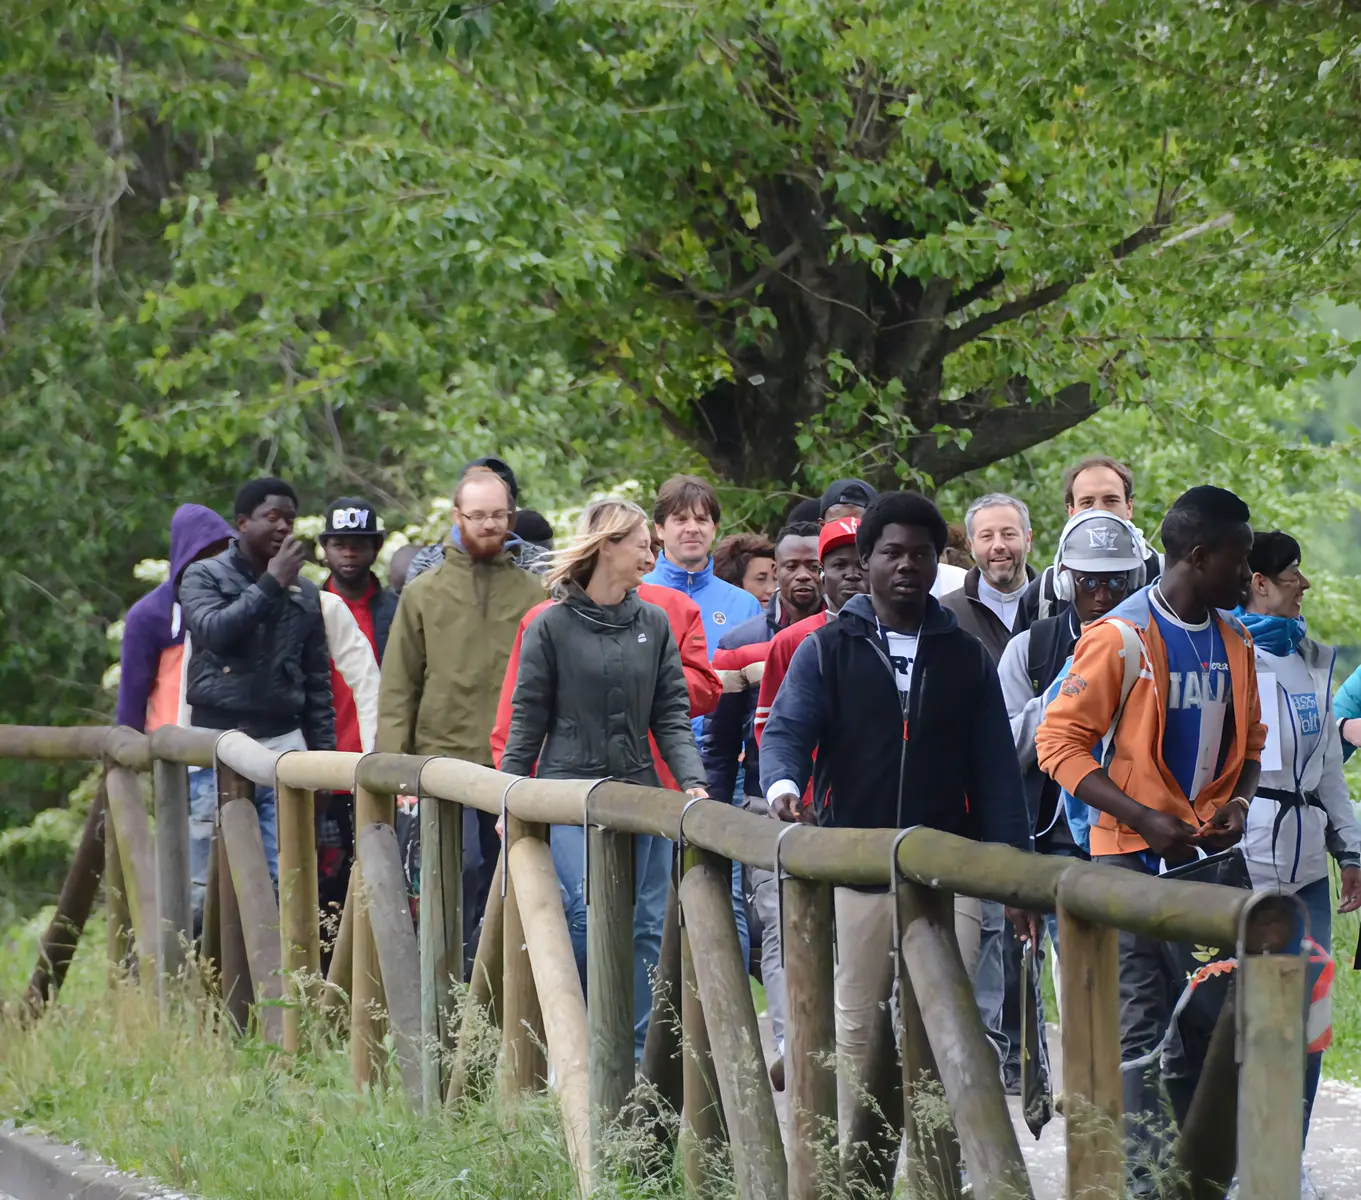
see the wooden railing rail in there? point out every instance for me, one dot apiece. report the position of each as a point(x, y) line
point(262, 951)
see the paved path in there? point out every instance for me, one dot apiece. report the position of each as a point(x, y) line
point(1333, 1158)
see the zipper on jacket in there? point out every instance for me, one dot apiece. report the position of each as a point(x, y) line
point(910, 705)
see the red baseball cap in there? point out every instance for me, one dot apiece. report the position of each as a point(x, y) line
point(837, 533)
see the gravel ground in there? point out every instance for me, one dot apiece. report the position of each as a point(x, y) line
point(1333, 1157)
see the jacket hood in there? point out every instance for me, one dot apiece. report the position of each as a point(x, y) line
point(603, 618)
point(859, 615)
point(677, 577)
point(193, 529)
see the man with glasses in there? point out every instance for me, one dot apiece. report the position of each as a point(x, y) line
point(448, 650)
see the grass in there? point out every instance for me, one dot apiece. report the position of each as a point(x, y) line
point(181, 1100)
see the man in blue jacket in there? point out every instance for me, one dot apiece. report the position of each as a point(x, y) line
point(903, 712)
point(686, 515)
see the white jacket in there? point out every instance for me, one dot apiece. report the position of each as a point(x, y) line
point(1307, 833)
point(353, 657)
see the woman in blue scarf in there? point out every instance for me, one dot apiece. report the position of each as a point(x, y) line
point(1302, 809)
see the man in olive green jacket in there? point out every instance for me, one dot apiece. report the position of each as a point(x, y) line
point(449, 648)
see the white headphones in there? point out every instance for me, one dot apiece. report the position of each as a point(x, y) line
point(1063, 579)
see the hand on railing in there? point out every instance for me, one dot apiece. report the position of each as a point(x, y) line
point(1026, 924)
point(697, 793)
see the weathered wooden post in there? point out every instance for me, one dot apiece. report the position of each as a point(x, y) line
point(235, 969)
point(1092, 1099)
point(340, 974)
point(739, 1064)
point(966, 1060)
point(254, 890)
point(137, 859)
point(441, 936)
point(549, 946)
point(118, 934)
point(389, 914)
point(609, 973)
point(1271, 1046)
point(58, 945)
point(300, 933)
point(522, 1067)
point(366, 986)
point(806, 942)
point(174, 905)
point(702, 1132)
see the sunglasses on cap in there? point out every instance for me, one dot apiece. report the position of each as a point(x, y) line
point(1117, 585)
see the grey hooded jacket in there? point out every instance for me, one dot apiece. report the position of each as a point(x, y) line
point(593, 681)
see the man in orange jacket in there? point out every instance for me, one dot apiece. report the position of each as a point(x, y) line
point(1176, 773)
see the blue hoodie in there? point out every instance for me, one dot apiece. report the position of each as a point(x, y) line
point(152, 624)
point(722, 606)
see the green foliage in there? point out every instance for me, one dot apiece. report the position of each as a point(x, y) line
point(613, 240)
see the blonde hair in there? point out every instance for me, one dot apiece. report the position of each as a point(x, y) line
point(603, 521)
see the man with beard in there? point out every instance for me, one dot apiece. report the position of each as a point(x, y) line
point(998, 529)
point(448, 651)
point(258, 660)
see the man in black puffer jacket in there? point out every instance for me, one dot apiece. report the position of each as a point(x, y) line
point(258, 659)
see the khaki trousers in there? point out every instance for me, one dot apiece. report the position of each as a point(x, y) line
point(865, 974)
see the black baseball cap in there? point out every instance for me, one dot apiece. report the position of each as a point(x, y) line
point(847, 491)
point(499, 467)
point(351, 516)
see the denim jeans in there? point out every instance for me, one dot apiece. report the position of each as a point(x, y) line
point(739, 894)
point(651, 882)
point(1317, 898)
point(202, 818)
point(990, 981)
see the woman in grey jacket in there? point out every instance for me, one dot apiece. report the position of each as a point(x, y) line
point(1302, 811)
point(598, 672)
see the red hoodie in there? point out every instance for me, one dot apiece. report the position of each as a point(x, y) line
point(687, 624)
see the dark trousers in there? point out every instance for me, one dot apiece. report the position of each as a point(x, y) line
point(481, 848)
point(1152, 975)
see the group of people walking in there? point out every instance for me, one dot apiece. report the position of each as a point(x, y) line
point(1141, 710)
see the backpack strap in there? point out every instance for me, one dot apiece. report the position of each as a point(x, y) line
point(1132, 652)
point(1044, 640)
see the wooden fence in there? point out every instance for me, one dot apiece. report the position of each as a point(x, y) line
point(709, 1065)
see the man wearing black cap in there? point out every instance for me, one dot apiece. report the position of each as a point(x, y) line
point(845, 498)
point(350, 545)
point(522, 552)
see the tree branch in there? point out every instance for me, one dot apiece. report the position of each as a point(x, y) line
point(961, 335)
point(761, 275)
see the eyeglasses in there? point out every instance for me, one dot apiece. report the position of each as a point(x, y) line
point(500, 517)
point(1117, 585)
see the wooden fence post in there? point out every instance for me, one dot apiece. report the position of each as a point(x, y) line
point(549, 945)
point(58, 945)
point(235, 970)
point(522, 1067)
point(1271, 1046)
point(965, 1058)
point(118, 935)
point(1093, 1105)
point(702, 1133)
point(609, 973)
point(137, 858)
point(340, 974)
point(174, 906)
point(389, 913)
point(1207, 1146)
point(250, 881)
point(810, 1036)
point(441, 936)
point(366, 987)
point(299, 930)
point(739, 1063)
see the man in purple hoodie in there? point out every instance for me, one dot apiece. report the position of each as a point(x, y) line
point(149, 683)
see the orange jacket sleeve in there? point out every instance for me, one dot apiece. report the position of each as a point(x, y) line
point(1083, 710)
point(501, 730)
point(703, 682)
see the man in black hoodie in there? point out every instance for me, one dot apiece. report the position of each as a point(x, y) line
point(906, 716)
